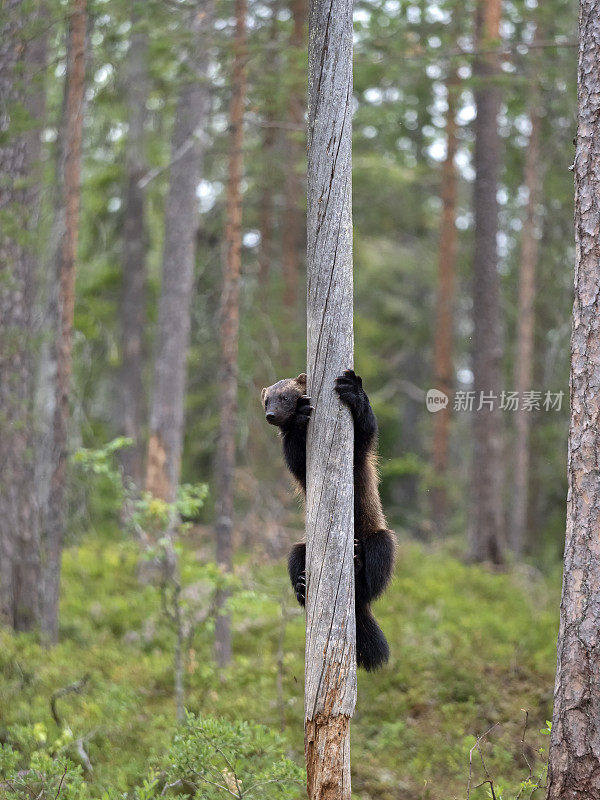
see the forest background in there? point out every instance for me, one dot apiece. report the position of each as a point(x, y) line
point(472, 646)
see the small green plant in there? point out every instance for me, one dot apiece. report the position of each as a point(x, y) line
point(216, 758)
point(41, 769)
point(101, 461)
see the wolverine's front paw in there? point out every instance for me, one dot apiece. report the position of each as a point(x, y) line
point(349, 388)
point(303, 410)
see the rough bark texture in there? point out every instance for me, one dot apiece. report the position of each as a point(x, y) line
point(181, 213)
point(327, 745)
point(293, 217)
point(133, 292)
point(574, 758)
point(225, 467)
point(22, 57)
point(330, 667)
point(485, 533)
point(444, 312)
point(525, 332)
point(56, 519)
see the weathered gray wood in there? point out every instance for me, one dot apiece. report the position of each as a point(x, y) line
point(574, 758)
point(330, 672)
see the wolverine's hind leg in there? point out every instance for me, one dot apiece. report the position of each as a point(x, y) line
point(375, 554)
point(297, 570)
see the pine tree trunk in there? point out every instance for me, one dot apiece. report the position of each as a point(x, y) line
point(444, 312)
point(225, 466)
point(55, 522)
point(22, 61)
point(330, 665)
point(168, 395)
point(526, 322)
point(293, 216)
point(266, 222)
point(525, 334)
point(134, 289)
point(485, 534)
point(574, 756)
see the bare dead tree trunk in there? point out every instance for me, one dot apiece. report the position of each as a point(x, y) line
point(444, 312)
point(56, 518)
point(22, 61)
point(293, 222)
point(167, 407)
point(133, 291)
point(485, 533)
point(526, 330)
point(225, 467)
point(330, 666)
point(574, 757)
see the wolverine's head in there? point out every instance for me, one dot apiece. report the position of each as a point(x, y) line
point(280, 399)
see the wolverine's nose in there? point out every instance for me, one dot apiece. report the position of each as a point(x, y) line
point(270, 415)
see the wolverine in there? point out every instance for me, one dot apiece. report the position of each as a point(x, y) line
point(288, 407)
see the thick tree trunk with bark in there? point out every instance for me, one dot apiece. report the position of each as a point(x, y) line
point(293, 216)
point(22, 62)
point(526, 332)
point(444, 311)
point(168, 394)
point(330, 667)
point(55, 521)
point(225, 466)
point(574, 757)
point(133, 291)
point(485, 533)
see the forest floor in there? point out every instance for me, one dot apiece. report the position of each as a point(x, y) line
point(471, 649)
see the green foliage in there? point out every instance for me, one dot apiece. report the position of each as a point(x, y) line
point(208, 757)
point(43, 776)
point(101, 462)
point(220, 757)
point(470, 648)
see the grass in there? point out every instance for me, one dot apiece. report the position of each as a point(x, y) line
point(471, 649)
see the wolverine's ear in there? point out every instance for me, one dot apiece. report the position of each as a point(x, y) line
point(301, 378)
point(263, 394)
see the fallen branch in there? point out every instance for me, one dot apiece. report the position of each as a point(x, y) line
point(73, 688)
point(489, 780)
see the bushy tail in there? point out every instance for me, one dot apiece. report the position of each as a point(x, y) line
point(372, 650)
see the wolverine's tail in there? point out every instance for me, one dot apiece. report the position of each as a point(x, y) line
point(372, 650)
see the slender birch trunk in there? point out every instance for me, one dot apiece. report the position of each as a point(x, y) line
point(330, 667)
point(574, 756)
point(225, 467)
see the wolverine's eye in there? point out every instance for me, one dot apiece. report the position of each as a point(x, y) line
point(284, 397)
